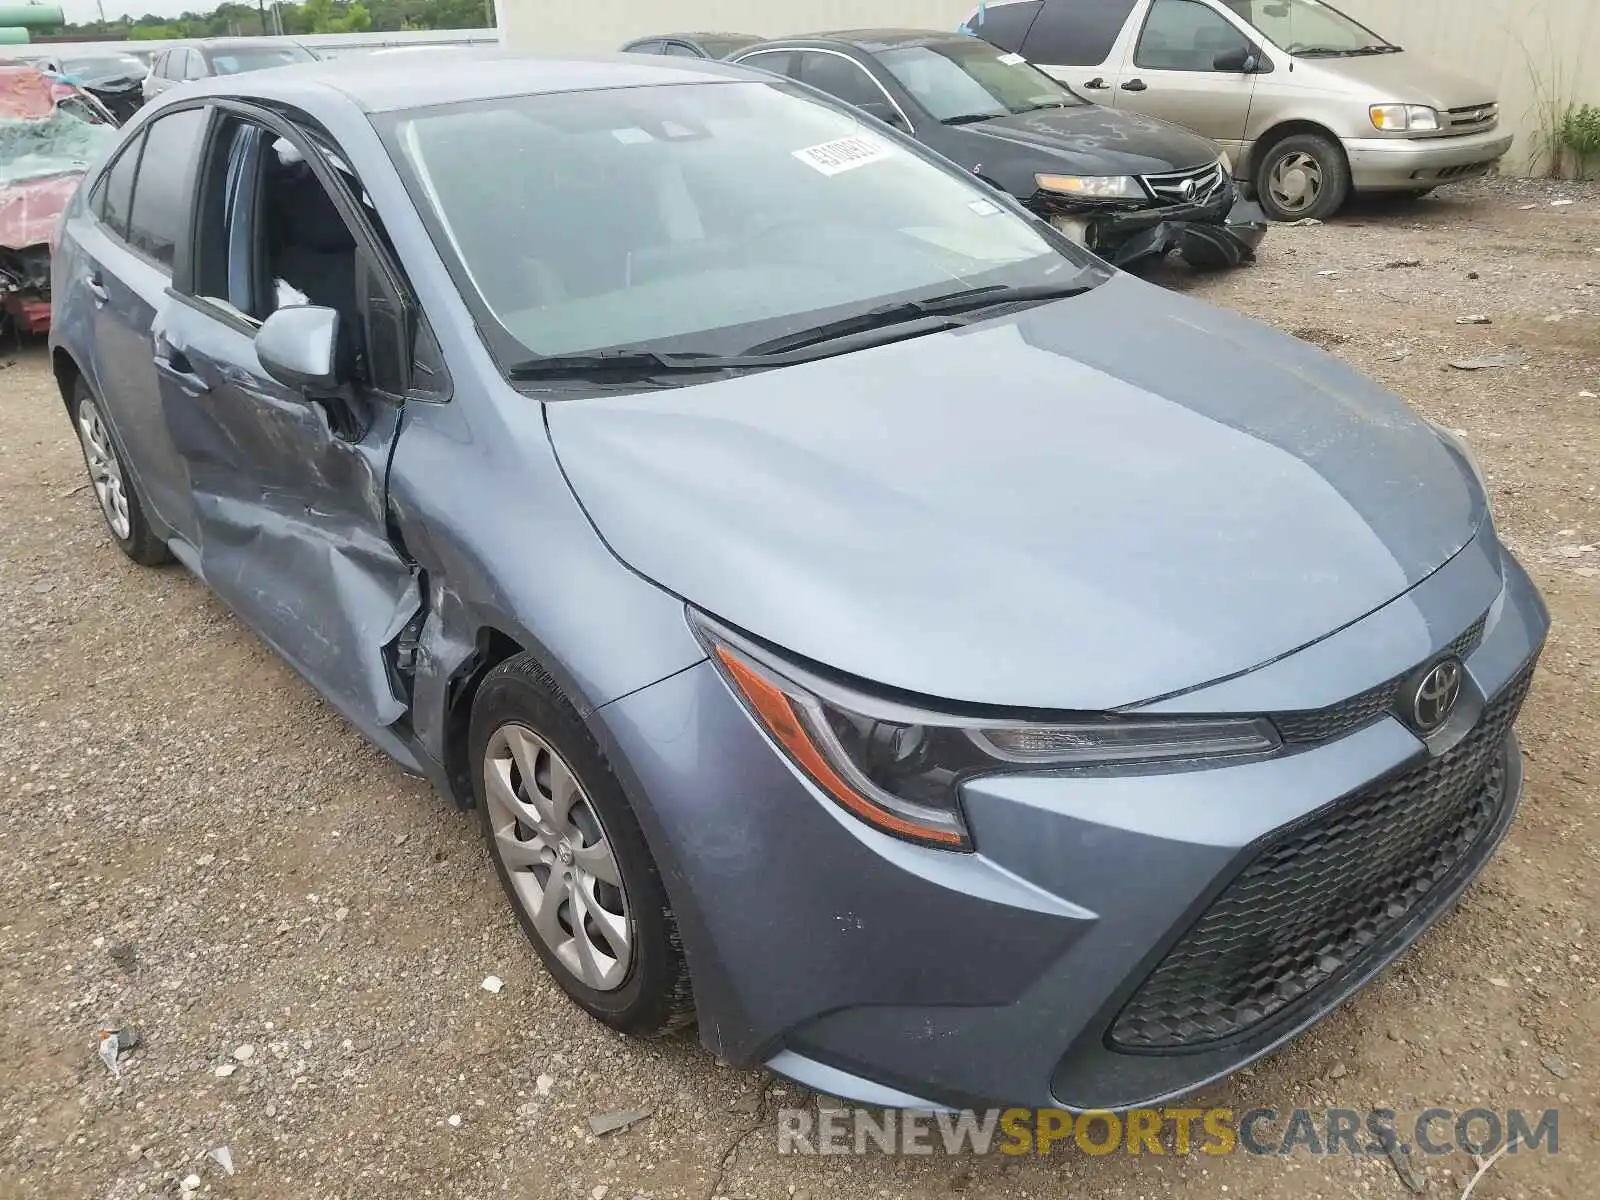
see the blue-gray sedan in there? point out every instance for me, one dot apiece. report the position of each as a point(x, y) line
point(952, 670)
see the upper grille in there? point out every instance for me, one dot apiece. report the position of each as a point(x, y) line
point(1347, 716)
point(1472, 118)
point(1317, 898)
point(1207, 181)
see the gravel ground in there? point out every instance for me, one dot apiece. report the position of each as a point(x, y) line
point(197, 846)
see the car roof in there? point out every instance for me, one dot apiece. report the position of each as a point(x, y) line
point(234, 44)
point(386, 83)
point(873, 40)
point(694, 37)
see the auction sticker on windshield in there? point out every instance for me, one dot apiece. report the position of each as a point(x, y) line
point(1011, 60)
point(844, 154)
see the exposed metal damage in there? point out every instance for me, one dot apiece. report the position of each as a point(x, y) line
point(50, 134)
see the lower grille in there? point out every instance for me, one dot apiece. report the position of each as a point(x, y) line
point(1313, 902)
point(1187, 187)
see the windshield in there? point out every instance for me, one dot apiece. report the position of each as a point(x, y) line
point(92, 70)
point(694, 217)
point(66, 142)
point(1309, 27)
point(232, 62)
point(970, 79)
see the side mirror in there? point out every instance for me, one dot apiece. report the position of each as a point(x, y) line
point(885, 112)
point(298, 347)
point(1243, 60)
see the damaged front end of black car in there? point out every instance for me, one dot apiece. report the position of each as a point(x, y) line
point(1128, 219)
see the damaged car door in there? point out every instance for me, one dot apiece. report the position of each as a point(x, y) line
point(289, 474)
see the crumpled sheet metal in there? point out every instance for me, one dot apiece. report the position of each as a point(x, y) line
point(1203, 245)
point(28, 93)
point(29, 210)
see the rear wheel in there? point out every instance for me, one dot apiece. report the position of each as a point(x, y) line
point(119, 502)
point(1303, 176)
point(571, 856)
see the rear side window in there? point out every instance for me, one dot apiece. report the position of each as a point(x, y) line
point(645, 48)
point(1005, 25)
point(1076, 33)
point(160, 214)
point(779, 62)
point(679, 50)
point(114, 194)
point(839, 77)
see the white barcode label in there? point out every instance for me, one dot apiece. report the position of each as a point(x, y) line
point(844, 154)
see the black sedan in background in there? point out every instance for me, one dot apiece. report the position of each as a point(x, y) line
point(692, 45)
point(1128, 186)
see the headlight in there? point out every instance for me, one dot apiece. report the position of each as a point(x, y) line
point(900, 769)
point(1226, 163)
point(1093, 187)
point(1402, 118)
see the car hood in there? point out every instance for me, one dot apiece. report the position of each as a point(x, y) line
point(29, 209)
point(1088, 505)
point(1094, 140)
point(1405, 78)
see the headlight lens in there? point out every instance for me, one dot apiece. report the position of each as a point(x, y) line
point(900, 770)
point(1227, 164)
point(1404, 118)
point(1093, 187)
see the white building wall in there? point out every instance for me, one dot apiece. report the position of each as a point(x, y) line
point(592, 25)
point(1534, 51)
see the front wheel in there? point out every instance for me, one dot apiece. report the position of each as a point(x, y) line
point(1303, 176)
point(571, 856)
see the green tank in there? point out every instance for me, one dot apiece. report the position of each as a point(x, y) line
point(30, 15)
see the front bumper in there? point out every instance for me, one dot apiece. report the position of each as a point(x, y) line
point(1390, 164)
point(893, 974)
point(1221, 233)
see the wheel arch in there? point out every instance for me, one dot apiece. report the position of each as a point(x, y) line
point(67, 372)
point(1269, 138)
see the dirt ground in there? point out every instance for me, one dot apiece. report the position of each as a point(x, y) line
point(193, 844)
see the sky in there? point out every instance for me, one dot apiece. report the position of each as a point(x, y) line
point(79, 11)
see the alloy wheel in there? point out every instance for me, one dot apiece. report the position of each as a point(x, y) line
point(105, 471)
point(553, 847)
point(1295, 181)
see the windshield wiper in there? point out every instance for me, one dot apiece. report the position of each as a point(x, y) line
point(1344, 52)
point(630, 364)
point(971, 118)
point(903, 312)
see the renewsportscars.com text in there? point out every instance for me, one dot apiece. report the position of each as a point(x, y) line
point(1177, 1131)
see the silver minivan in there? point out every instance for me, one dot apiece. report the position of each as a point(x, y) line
point(1309, 103)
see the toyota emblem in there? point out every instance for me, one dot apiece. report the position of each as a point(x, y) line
point(1436, 695)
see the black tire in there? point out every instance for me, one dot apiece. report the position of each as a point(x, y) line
point(1333, 187)
point(655, 997)
point(140, 542)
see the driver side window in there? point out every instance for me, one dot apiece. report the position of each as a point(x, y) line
point(1185, 35)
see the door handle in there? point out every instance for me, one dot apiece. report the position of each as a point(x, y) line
point(1136, 85)
point(175, 366)
point(1097, 84)
point(97, 289)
